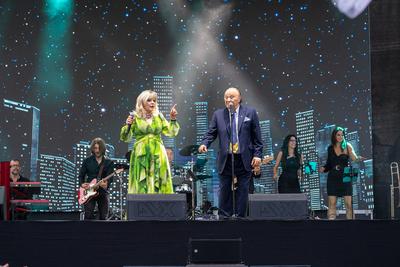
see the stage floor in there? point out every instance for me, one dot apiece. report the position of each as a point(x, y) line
point(130, 243)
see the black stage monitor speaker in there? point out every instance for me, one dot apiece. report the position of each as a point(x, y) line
point(215, 251)
point(160, 207)
point(278, 206)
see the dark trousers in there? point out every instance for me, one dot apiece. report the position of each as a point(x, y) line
point(102, 201)
point(242, 191)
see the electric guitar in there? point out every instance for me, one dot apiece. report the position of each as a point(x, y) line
point(267, 159)
point(256, 170)
point(84, 195)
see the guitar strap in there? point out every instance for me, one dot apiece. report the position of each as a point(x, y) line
point(100, 170)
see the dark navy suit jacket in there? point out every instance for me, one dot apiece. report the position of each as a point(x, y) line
point(250, 144)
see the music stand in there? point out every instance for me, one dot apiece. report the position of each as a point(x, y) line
point(191, 150)
point(192, 179)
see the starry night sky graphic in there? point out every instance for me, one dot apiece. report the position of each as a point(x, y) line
point(285, 56)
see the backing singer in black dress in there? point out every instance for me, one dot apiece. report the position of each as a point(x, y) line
point(291, 162)
point(340, 153)
point(335, 165)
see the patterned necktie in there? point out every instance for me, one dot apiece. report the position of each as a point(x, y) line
point(235, 138)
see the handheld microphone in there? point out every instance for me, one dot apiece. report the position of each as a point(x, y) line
point(132, 115)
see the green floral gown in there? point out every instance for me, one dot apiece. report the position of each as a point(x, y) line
point(149, 171)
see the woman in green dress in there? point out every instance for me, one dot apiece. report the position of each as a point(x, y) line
point(149, 171)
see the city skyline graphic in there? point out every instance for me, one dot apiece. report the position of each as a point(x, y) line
point(73, 74)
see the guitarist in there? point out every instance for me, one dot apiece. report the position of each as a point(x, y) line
point(96, 166)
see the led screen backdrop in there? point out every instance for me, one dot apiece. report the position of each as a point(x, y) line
point(71, 71)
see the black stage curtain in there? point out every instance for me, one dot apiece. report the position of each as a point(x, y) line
point(385, 67)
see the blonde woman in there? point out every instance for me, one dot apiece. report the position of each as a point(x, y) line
point(149, 171)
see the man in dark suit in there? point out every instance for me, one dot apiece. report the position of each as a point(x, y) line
point(246, 150)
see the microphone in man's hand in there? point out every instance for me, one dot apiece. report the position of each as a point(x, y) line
point(131, 114)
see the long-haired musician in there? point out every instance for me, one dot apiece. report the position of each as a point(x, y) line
point(96, 166)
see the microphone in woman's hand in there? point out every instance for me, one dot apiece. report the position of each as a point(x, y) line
point(132, 115)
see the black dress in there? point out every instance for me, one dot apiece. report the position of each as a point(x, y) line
point(288, 181)
point(335, 166)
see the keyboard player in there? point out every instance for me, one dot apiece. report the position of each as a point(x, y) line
point(18, 193)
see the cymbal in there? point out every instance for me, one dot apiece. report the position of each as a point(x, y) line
point(189, 150)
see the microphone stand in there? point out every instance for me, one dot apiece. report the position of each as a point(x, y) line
point(120, 198)
point(194, 194)
point(352, 174)
point(233, 131)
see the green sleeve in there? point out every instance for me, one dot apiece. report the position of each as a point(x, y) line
point(170, 129)
point(124, 135)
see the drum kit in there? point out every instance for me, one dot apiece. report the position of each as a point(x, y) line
point(184, 179)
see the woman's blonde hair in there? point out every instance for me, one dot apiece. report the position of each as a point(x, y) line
point(143, 97)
